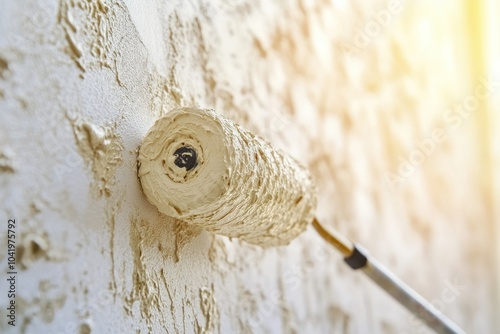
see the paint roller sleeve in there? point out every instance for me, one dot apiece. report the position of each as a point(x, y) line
point(199, 167)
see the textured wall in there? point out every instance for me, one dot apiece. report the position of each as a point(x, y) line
point(354, 91)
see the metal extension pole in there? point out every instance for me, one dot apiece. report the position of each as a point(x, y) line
point(357, 258)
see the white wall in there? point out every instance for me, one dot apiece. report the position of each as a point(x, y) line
point(82, 81)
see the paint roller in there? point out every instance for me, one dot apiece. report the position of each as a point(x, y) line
point(201, 168)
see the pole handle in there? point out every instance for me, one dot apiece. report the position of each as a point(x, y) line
point(409, 298)
point(357, 258)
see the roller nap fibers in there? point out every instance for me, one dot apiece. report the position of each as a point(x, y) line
point(199, 167)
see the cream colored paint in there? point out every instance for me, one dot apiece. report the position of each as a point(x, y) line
point(82, 82)
point(240, 187)
point(102, 149)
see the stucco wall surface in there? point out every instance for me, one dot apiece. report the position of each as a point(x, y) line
point(350, 89)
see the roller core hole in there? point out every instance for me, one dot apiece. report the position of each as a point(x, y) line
point(185, 157)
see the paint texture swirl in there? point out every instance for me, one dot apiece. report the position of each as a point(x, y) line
point(199, 167)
